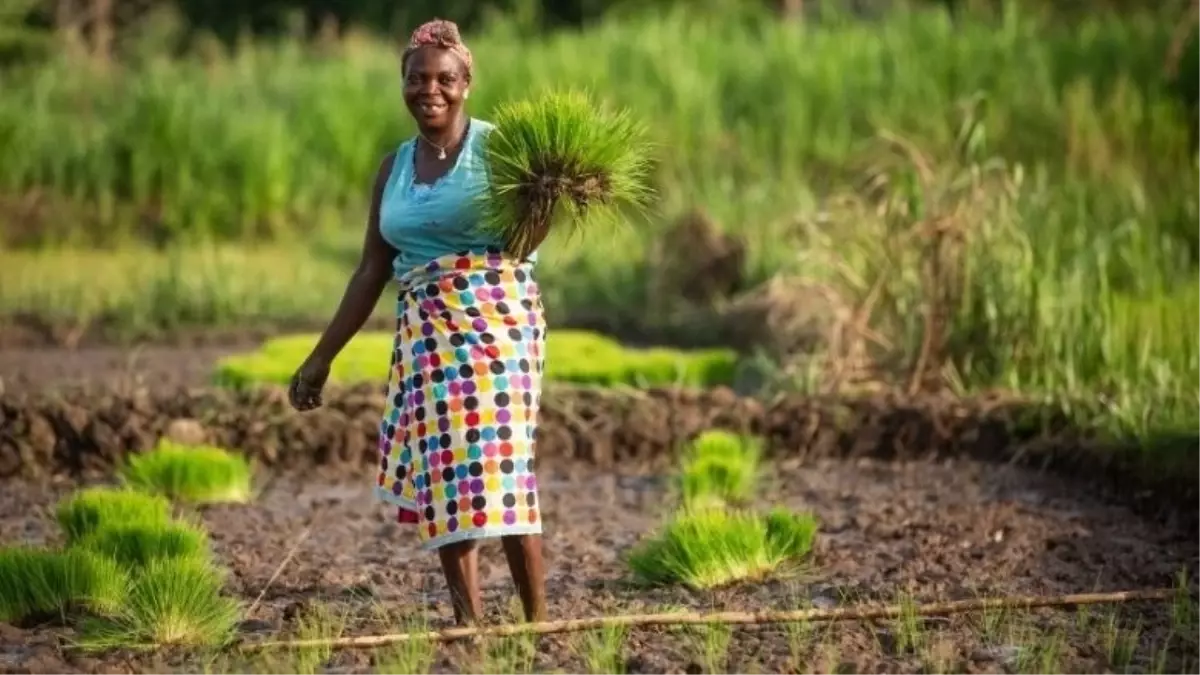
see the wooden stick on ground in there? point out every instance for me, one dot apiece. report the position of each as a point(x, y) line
point(682, 618)
point(286, 559)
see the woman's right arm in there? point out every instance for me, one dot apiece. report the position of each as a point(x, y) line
point(362, 293)
point(366, 283)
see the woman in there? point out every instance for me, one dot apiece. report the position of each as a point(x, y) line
point(456, 441)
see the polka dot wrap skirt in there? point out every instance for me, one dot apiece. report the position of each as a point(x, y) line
point(456, 442)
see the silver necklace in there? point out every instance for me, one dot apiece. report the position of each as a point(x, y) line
point(442, 149)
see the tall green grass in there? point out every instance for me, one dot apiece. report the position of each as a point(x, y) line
point(1057, 152)
point(756, 115)
point(139, 291)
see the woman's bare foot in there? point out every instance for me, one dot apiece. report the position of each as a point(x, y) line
point(524, 554)
point(460, 564)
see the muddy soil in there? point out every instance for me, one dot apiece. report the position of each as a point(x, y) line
point(926, 530)
point(930, 498)
point(33, 333)
point(156, 366)
point(88, 431)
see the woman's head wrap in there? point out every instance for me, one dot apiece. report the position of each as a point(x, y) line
point(438, 33)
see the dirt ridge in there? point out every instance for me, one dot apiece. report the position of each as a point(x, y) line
point(85, 431)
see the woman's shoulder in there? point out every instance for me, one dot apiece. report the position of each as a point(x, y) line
point(477, 139)
point(481, 128)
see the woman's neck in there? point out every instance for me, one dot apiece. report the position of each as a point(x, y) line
point(449, 136)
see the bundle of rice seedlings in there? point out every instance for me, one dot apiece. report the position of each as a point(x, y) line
point(174, 601)
point(137, 544)
point(39, 583)
point(88, 510)
point(707, 548)
point(790, 534)
point(720, 467)
point(561, 158)
point(198, 474)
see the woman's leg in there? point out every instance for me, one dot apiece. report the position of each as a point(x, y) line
point(524, 554)
point(460, 564)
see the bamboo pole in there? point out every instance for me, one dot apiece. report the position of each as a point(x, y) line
point(691, 618)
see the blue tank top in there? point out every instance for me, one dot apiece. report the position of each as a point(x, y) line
point(427, 221)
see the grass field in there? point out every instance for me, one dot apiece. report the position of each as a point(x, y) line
point(1047, 167)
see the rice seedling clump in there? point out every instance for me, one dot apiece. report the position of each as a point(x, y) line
point(643, 367)
point(561, 158)
point(707, 548)
point(720, 467)
point(789, 533)
point(39, 582)
point(142, 577)
point(173, 601)
point(578, 357)
point(197, 474)
point(91, 509)
point(135, 545)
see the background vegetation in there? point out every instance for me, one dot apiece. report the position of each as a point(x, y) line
point(1003, 191)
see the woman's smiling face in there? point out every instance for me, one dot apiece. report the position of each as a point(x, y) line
point(435, 80)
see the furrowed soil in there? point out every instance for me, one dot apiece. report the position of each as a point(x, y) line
point(927, 500)
point(931, 530)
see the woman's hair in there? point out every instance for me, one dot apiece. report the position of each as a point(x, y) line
point(438, 33)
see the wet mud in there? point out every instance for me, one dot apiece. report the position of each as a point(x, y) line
point(924, 530)
point(925, 498)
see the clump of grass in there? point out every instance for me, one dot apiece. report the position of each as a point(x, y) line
point(198, 474)
point(39, 582)
point(1120, 642)
point(626, 366)
point(411, 656)
point(907, 627)
point(602, 650)
point(173, 601)
point(560, 157)
point(320, 622)
point(1183, 606)
point(578, 357)
point(135, 545)
point(509, 653)
point(91, 509)
point(800, 641)
point(711, 641)
point(789, 533)
point(720, 467)
point(707, 548)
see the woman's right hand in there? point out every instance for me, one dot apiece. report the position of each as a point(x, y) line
point(304, 393)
